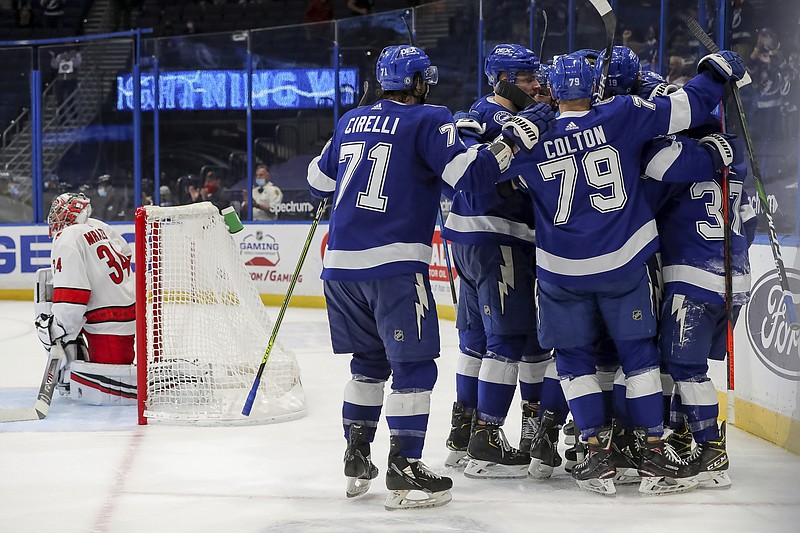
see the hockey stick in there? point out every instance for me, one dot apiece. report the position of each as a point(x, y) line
point(610, 23)
point(46, 389)
point(248, 404)
point(791, 313)
point(447, 262)
point(544, 34)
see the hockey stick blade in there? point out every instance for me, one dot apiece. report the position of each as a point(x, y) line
point(46, 389)
point(519, 98)
point(788, 297)
point(704, 39)
point(605, 11)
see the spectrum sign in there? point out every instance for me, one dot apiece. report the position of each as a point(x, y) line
point(197, 90)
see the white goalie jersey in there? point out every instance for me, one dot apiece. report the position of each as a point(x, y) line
point(93, 289)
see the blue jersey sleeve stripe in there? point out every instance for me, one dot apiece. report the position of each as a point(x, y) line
point(489, 224)
point(661, 162)
point(378, 256)
point(602, 263)
point(457, 166)
point(680, 116)
point(704, 279)
point(318, 179)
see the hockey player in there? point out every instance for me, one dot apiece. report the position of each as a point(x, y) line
point(693, 323)
point(594, 234)
point(493, 251)
point(92, 297)
point(384, 170)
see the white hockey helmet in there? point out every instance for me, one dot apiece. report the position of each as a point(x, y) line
point(68, 209)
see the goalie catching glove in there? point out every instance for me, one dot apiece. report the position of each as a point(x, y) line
point(49, 330)
point(526, 127)
point(469, 125)
point(721, 148)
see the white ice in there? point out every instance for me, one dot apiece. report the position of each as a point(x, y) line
point(93, 469)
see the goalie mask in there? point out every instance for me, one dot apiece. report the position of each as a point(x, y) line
point(68, 209)
point(623, 72)
point(397, 65)
point(509, 58)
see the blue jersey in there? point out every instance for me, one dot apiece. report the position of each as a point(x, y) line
point(385, 168)
point(690, 220)
point(593, 223)
point(511, 222)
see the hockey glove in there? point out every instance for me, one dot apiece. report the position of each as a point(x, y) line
point(48, 330)
point(503, 150)
point(469, 125)
point(507, 188)
point(725, 64)
point(720, 146)
point(651, 90)
point(526, 127)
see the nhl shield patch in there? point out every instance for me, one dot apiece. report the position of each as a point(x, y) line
point(398, 335)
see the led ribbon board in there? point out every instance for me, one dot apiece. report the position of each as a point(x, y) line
point(194, 90)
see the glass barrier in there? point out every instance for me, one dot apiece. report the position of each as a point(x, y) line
point(294, 92)
point(87, 145)
point(16, 190)
point(305, 77)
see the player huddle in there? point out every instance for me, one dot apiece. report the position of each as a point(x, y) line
point(588, 231)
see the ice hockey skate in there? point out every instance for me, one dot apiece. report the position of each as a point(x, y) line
point(405, 476)
point(530, 423)
point(662, 471)
point(458, 440)
point(358, 467)
point(491, 456)
point(712, 460)
point(596, 472)
point(544, 448)
point(681, 440)
point(625, 457)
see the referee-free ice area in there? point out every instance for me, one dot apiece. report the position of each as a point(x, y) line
point(93, 469)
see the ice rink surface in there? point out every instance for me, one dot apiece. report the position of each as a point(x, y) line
point(93, 469)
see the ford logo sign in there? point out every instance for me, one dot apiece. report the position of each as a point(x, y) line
point(775, 344)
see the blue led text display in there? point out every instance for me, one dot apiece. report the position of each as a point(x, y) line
point(227, 89)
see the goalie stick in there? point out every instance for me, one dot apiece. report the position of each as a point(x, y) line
point(46, 389)
point(791, 313)
point(610, 23)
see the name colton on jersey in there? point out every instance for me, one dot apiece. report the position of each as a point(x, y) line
point(575, 142)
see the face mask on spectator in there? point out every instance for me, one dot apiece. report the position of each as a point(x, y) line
point(261, 182)
point(102, 192)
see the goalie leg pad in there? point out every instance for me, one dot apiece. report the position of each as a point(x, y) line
point(43, 294)
point(100, 384)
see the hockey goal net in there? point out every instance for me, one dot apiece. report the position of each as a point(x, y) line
point(202, 327)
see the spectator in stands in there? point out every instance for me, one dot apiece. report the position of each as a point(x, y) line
point(360, 7)
point(111, 203)
point(318, 11)
point(210, 191)
point(53, 13)
point(266, 196)
point(24, 13)
point(677, 71)
point(66, 64)
point(165, 194)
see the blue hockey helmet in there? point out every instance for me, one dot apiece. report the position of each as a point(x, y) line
point(590, 54)
point(397, 65)
point(509, 58)
point(623, 72)
point(571, 78)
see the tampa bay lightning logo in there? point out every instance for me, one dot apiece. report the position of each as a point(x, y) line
point(501, 117)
